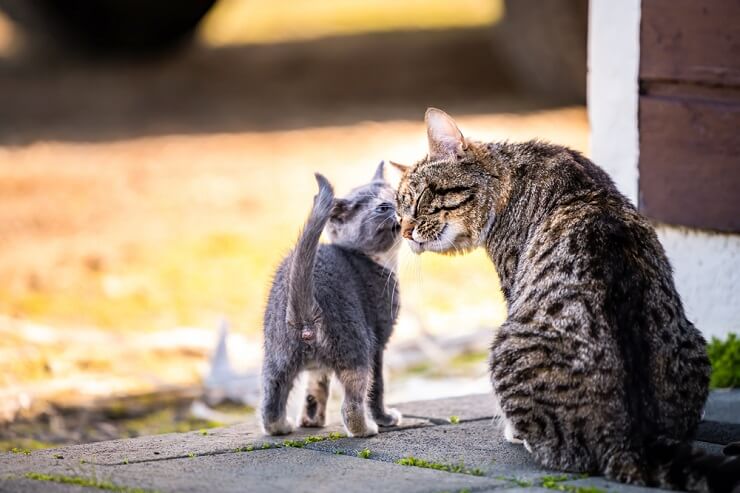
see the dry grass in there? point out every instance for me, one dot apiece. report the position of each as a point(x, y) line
point(158, 232)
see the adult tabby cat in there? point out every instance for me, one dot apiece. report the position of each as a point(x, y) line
point(596, 368)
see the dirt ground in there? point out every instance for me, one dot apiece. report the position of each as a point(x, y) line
point(140, 197)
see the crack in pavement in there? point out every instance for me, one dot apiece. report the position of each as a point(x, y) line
point(279, 444)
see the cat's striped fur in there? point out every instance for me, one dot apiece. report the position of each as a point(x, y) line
point(596, 368)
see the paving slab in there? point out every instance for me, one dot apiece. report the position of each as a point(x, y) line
point(210, 461)
point(439, 411)
point(606, 485)
point(718, 432)
point(277, 470)
point(477, 444)
point(723, 406)
point(177, 445)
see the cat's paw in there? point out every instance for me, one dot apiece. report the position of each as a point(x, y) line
point(282, 427)
point(369, 430)
point(392, 417)
point(510, 434)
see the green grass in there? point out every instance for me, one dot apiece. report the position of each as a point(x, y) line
point(364, 453)
point(86, 482)
point(292, 443)
point(556, 483)
point(725, 359)
point(455, 468)
point(519, 482)
point(455, 420)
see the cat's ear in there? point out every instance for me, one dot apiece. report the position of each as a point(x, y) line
point(400, 167)
point(340, 210)
point(445, 139)
point(379, 172)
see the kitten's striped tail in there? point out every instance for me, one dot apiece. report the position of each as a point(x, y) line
point(680, 466)
point(303, 312)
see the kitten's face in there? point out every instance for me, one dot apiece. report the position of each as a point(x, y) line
point(445, 201)
point(365, 220)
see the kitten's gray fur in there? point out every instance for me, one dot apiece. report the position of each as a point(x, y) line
point(332, 308)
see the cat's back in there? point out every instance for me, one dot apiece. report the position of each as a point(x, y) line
point(595, 270)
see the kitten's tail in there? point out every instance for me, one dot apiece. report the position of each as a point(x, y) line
point(303, 311)
point(676, 465)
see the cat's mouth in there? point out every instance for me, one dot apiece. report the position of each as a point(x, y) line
point(442, 243)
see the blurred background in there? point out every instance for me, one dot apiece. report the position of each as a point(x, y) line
point(156, 162)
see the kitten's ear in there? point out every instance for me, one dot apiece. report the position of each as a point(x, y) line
point(339, 210)
point(379, 172)
point(445, 139)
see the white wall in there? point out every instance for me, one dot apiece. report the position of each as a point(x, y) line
point(706, 265)
point(613, 64)
point(706, 268)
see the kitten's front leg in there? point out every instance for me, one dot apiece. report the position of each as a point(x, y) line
point(354, 412)
point(383, 416)
point(314, 409)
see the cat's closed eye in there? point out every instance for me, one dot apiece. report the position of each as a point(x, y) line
point(384, 207)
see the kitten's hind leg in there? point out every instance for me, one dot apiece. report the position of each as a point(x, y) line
point(354, 413)
point(314, 409)
point(276, 385)
point(381, 415)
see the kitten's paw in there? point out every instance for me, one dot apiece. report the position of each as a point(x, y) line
point(315, 422)
point(282, 427)
point(510, 434)
point(369, 430)
point(392, 417)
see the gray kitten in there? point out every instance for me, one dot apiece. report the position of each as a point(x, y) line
point(332, 308)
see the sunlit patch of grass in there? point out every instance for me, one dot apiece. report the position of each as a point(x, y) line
point(24, 445)
point(187, 282)
point(164, 421)
point(259, 21)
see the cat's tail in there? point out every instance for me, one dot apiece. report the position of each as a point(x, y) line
point(303, 312)
point(676, 465)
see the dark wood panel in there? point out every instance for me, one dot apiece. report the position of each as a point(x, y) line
point(690, 161)
point(691, 40)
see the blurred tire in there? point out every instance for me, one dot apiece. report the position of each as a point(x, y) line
point(544, 43)
point(107, 27)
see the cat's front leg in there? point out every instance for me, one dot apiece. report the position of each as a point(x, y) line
point(354, 412)
point(510, 434)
